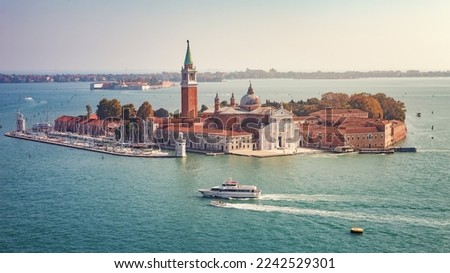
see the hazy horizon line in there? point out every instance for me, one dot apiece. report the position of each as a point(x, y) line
point(152, 71)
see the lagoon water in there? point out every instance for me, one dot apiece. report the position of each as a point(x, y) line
point(57, 199)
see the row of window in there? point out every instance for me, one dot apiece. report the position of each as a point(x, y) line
point(244, 140)
point(242, 146)
point(369, 137)
point(233, 190)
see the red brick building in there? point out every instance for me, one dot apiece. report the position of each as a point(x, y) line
point(92, 126)
point(349, 128)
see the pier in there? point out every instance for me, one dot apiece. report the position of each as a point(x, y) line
point(405, 149)
point(114, 150)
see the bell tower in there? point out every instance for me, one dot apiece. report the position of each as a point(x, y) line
point(216, 103)
point(188, 87)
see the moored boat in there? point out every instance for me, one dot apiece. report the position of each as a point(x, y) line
point(377, 151)
point(343, 149)
point(405, 149)
point(232, 189)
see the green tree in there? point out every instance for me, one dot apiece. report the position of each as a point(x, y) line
point(204, 108)
point(368, 103)
point(88, 110)
point(335, 100)
point(131, 107)
point(145, 110)
point(108, 108)
point(392, 109)
point(161, 113)
point(115, 107)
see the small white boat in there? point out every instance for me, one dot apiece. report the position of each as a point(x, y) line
point(213, 154)
point(232, 189)
point(358, 230)
point(218, 203)
point(343, 149)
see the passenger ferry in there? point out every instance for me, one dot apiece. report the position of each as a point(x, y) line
point(232, 189)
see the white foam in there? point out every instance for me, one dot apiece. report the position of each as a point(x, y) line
point(352, 216)
point(305, 197)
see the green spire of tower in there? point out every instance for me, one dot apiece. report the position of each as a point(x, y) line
point(188, 58)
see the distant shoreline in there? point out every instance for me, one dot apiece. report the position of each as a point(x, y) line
point(153, 78)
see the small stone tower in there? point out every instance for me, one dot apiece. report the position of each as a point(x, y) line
point(216, 103)
point(180, 146)
point(232, 100)
point(20, 123)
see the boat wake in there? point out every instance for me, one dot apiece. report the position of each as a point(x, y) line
point(351, 216)
point(434, 151)
point(34, 102)
point(306, 197)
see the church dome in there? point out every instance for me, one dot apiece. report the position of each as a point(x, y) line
point(250, 101)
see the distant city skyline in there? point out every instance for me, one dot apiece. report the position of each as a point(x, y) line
point(138, 36)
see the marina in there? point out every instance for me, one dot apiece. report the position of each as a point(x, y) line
point(116, 150)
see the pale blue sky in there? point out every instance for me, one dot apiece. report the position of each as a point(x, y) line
point(150, 36)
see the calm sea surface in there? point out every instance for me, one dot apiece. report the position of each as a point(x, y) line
point(57, 199)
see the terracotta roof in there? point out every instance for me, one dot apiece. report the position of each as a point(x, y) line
point(67, 119)
point(361, 130)
point(396, 123)
point(338, 112)
point(95, 122)
point(201, 130)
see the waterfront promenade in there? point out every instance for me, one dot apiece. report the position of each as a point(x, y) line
point(275, 153)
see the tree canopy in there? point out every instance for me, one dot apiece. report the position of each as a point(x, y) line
point(88, 110)
point(378, 106)
point(368, 103)
point(392, 109)
point(161, 113)
point(108, 108)
point(145, 110)
point(204, 108)
point(129, 110)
